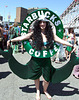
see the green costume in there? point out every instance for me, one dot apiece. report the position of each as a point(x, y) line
point(68, 48)
point(40, 66)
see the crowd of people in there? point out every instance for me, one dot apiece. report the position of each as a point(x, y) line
point(3, 36)
point(64, 52)
point(8, 32)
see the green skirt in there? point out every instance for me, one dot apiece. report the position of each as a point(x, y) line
point(34, 68)
point(69, 49)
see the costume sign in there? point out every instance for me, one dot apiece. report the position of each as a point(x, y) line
point(53, 18)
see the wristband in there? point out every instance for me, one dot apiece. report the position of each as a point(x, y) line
point(72, 47)
point(10, 41)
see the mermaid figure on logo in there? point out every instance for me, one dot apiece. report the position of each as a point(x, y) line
point(42, 37)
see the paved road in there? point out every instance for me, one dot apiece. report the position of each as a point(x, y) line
point(14, 88)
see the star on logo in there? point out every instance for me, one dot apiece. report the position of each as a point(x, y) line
point(43, 18)
point(59, 30)
point(25, 42)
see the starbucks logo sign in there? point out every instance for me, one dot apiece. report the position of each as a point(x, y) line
point(54, 19)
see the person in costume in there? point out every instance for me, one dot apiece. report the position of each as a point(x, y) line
point(42, 37)
point(71, 39)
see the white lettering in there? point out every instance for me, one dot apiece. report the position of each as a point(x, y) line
point(31, 51)
point(55, 48)
point(34, 16)
point(44, 53)
point(57, 23)
point(37, 53)
point(23, 33)
point(24, 29)
point(29, 19)
point(53, 17)
point(40, 13)
point(26, 25)
point(47, 14)
point(51, 52)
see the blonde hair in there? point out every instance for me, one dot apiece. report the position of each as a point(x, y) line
point(15, 24)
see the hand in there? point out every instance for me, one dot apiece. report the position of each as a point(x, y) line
point(8, 44)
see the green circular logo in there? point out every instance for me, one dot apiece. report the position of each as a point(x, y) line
point(54, 20)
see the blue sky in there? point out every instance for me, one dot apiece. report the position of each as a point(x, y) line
point(57, 6)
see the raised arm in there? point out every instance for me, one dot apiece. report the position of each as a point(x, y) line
point(61, 41)
point(20, 38)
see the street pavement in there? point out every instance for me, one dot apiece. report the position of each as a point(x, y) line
point(14, 88)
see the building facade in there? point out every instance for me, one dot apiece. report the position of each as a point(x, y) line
point(21, 13)
point(70, 17)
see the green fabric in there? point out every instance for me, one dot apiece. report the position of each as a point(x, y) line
point(33, 69)
point(16, 30)
point(40, 66)
point(68, 48)
point(64, 72)
point(13, 32)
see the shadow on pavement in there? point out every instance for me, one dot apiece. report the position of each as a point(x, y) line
point(4, 74)
point(2, 60)
point(28, 88)
point(62, 89)
point(53, 89)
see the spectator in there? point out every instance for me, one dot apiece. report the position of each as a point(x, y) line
point(13, 33)
point(5, 35)
point(71, 39)
point(1, 37)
